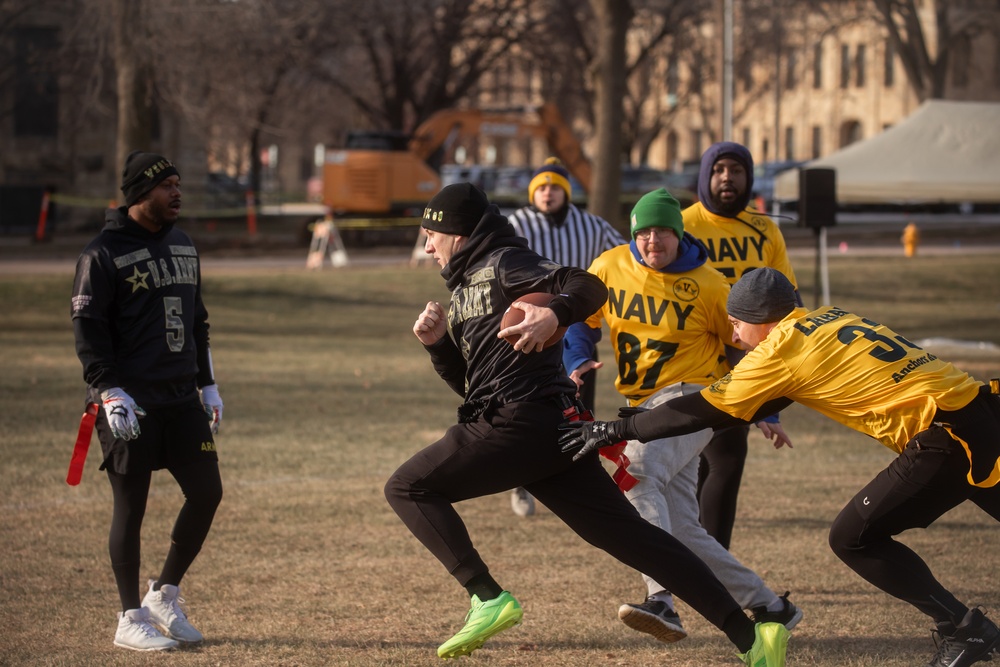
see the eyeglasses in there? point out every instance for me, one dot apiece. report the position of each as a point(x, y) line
point(661, 232)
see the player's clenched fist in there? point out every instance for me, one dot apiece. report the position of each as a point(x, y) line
point(432, 324)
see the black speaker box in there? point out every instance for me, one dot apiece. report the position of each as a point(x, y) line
point(817, 197)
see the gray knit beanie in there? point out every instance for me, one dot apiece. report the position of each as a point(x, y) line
point(761, 296)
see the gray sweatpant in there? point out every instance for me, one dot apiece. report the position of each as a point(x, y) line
point(666, 496)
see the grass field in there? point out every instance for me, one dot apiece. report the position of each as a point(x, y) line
point(327, 391)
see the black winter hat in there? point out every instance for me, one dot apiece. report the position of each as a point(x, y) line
point(142, 173)
point(761, 296)
point(456, 209)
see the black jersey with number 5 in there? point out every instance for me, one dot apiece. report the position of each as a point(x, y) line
point(138, 315)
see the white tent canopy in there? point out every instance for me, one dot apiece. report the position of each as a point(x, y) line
point(943, 152)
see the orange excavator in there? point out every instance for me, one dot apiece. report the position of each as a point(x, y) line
point(389, 173)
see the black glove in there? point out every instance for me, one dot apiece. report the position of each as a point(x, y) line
point(584, 437)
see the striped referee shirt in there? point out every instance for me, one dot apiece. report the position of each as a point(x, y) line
point(576, 242)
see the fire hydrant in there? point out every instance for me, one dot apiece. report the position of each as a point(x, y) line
point(910, 239)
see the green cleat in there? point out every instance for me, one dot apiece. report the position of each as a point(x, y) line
point(769, 646)
point(484, 620)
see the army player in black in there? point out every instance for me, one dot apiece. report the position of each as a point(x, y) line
point(516, 396)
point(141, 334)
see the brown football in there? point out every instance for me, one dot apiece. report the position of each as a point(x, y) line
point(516, 315)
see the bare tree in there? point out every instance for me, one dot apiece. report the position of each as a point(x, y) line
point(613, 18)
point(410, 59)
point(927, 67)
point(240, 70)
point(662, 32)
point(135, 107)
point(609, 53)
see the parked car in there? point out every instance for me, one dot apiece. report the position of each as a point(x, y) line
point(640, 179)
point(683, 185)
point(484, 177)
point(224, 191)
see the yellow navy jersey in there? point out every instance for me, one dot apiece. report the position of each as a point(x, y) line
point(665, 327)
point(737, 245)
point(853, 370)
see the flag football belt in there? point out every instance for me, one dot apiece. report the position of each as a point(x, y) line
point(575, 411)
point(82, 445)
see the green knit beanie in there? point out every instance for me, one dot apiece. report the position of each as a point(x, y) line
point(657, 209)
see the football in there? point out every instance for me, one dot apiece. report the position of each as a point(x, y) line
point(516, 315)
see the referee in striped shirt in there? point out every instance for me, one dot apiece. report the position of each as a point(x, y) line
point(555, 228)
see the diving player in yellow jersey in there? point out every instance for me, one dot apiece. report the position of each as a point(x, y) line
point(667, 315)
point(944, 425)
point(738, 239)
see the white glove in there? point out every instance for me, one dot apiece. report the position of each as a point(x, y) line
point(122, 413)
point(213, 405)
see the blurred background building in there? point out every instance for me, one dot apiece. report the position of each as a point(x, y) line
point(258, 94)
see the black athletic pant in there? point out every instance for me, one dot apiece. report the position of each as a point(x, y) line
point(517, 446)
point(588, 390)
point(202, 487)
point(720, 472)
point(921, 484)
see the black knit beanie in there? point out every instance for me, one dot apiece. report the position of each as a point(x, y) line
point(142, 173)
point(761, 296)
point(457, 209)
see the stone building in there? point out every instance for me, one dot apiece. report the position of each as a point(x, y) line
point(825, 83)
point(827, 86)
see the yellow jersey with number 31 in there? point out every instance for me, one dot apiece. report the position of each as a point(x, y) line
point(853, 370)
point(665, 327)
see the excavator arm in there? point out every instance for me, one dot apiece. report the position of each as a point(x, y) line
point(447, 126)
point(384, 175)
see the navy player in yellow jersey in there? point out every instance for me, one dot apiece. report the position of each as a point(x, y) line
point(738, 239)
point(942, 423)
point(141, 334)
point(666, 312)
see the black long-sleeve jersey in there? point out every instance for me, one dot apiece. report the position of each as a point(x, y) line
point(137, 312)
point(490, 272)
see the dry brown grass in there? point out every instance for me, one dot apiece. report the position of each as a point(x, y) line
point(326, 393)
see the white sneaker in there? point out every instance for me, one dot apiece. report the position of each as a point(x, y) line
point(521, 502)
point(137, 633)
point(165, 611)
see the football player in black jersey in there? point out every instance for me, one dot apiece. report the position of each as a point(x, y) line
point(516, 396)
point(141, 333)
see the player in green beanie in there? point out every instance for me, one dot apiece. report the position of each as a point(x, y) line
point(657, 209)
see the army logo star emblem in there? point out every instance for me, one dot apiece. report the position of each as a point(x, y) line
point(138, 279)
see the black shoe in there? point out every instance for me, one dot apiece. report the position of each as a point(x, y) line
point(655, 618)
point(975, 639)
point(789, 616)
